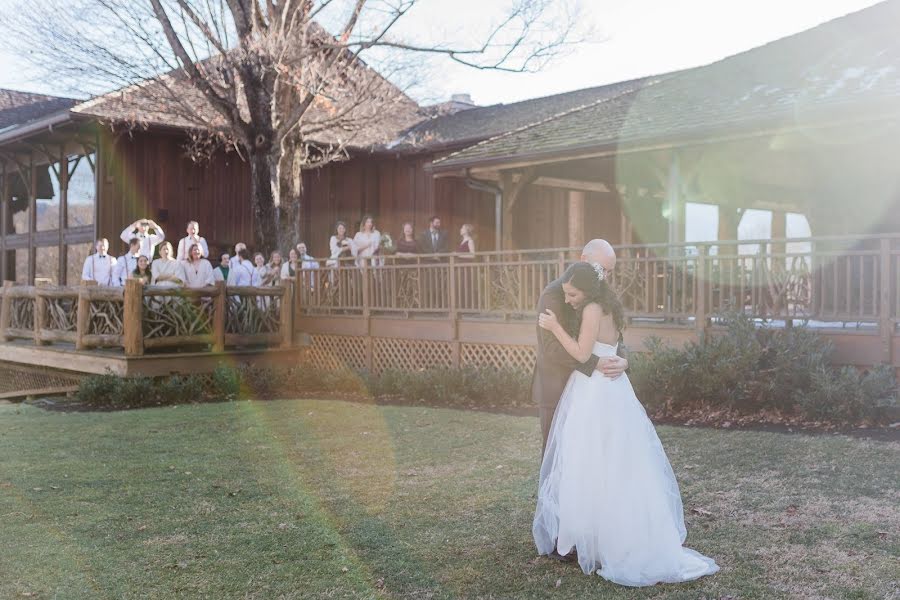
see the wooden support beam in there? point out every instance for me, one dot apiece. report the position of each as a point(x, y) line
point(576, 213)
point(572, 184)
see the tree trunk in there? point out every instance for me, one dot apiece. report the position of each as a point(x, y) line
point(264, 209)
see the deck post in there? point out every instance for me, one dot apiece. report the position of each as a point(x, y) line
point(368, 343)
point(287, 308)
point(133, 317)
point(40, 313)
point(82, 315)
point(885, 320)
point(701, 287)
point(5, 307)
point(219, 308)
point(455, 346)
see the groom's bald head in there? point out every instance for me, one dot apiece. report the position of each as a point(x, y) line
point(599, 251)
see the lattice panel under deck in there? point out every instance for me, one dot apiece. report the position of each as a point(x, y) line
point(14, 378)
point(520, 358)
point(337, 352)
point(411, 355)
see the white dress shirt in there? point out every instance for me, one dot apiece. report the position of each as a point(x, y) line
point(243, 274)
point(125, 266)
point(100, 268)
point(184, 246)
point(149, 241)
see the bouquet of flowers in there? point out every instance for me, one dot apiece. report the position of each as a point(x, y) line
point(387, 244)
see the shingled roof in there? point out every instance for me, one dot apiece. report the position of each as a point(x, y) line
point(480, 123)
point(176, 103)
point(20, 108)
point(847, 67)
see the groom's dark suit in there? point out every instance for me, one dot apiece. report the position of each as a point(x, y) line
point(554, 364)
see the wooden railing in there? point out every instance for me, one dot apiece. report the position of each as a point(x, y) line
point(845, 280)
point(137, 318)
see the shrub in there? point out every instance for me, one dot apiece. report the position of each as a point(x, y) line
point(226, 383)
point(752, 369)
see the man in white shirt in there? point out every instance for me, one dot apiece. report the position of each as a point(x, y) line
point(237, 250)
point(128, 263)
point(148, 240)
point(242, 272)
point(192, 237)
point(100, 266)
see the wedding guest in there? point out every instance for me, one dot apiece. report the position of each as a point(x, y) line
point(291, 266)
point(307, 261)
point(220, 273)
point(237, 249)
point(261, 269)
point(407, 246)
point(192, 237)
point(340, 245)
point(167, 272)
point(242, 272)
point(275, 263)
point(100, 266)
point(434, 239)
point(142, 270)
point(140, 230)
point(466, 248)
point(368, 243)
point(198, 272)
point(127, 263)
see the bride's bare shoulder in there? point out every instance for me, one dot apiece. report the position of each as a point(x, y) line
point(592, 309)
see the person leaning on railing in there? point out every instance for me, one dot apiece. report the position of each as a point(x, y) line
point(340, 246)
point(142, 270)
point(220, 273)
point(407, 246)
point(198, 272)
point(276, 262)
point(368, 243)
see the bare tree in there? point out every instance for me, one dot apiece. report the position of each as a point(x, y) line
point(282, 82)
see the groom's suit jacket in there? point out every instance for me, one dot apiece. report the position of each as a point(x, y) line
point(554, 365)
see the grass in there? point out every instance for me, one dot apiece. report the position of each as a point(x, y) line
point(322, 499)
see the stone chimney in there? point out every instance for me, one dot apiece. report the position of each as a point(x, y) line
point(462, 99)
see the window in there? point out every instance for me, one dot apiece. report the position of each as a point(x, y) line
point(75, 257)
point(46, 264)
point(82, 191)
point(48, 196)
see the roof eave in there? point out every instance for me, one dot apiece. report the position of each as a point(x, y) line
point(37, 126)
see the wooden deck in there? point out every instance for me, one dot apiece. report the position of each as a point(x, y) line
point(446, 311)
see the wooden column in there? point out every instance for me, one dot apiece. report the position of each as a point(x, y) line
point(576, 221)
point(674, 202)
point(779, 232)
point(32, 221)
point(133, 318)
point(219, 315)
point(63, 216)
point(4, 223)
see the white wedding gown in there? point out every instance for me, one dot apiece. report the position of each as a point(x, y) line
point(607, 489)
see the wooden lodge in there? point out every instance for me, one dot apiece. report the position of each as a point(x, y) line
point(804, 128)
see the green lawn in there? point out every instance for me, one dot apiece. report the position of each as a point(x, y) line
point(326, 499)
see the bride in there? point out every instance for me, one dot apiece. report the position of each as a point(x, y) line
point(607, 490)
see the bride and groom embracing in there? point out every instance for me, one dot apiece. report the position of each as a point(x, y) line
point(607, 491)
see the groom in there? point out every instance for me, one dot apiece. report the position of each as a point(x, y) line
point(554, 365)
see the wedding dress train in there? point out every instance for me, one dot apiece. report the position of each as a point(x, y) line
point(607, 489)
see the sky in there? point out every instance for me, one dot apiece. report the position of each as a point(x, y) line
point(631, 38)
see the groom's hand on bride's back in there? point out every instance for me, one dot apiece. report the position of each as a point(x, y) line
point(612, 366)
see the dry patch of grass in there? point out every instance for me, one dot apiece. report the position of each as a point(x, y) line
point(322, 499)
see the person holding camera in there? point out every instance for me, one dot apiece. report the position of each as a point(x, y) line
point(140, 230)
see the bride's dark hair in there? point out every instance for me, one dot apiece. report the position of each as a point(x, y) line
point(585, 278)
